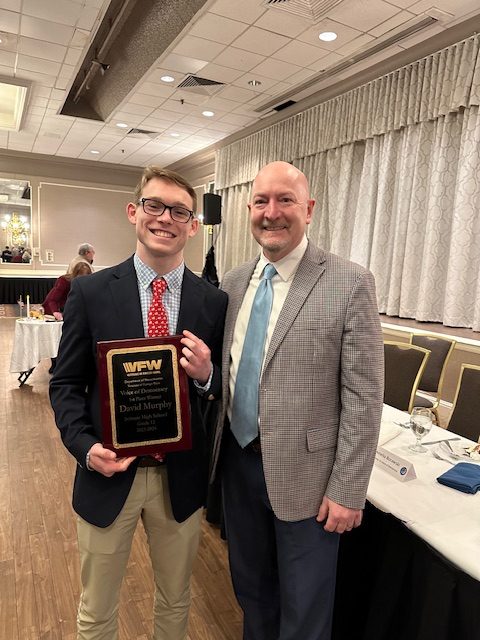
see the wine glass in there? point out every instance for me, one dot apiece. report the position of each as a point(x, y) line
point(420, 423)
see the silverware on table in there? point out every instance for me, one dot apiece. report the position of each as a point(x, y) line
point(447, 440)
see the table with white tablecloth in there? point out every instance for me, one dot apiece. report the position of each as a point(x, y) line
point(412, 570)
point(33, 341)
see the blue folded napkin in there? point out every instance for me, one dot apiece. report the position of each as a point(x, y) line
point(463, 477)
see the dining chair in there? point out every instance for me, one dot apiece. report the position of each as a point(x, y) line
point(404, 367)
point(465, 417)
point(431, 381)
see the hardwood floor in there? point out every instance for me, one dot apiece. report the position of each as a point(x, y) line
point(39, 571)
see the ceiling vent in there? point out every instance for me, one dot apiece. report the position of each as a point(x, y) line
point(284, 105)
point(313, 10)
point(142, 133)
point(422, 22)
point(202, 86)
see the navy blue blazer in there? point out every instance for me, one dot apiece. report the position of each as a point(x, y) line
point(106, 306)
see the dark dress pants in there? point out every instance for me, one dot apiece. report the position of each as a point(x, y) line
point(283, 573)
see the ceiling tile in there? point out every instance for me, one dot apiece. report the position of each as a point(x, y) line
point(220, 74)
point(11, 5)
point(148, 101)
point(327, 61)
point(189, 96)
point(80, 38)
point(61, 11)
point(194, 47)
point(224, 127)
point(169, 116)
point(299, 53)
point(183, 64)
point(45, 30)
point(275, 69)
point(300, 76)
point(9, 41)
point(404, 4)
point(137, 109)
point(239, 59)
point(237, 94)
point(41, 78)
point(62, 83)
point(400, 18)
point(216, 103)
point(38, 90)
point(73, 55)
point(175, 106)
point(39, 49)
point(266, 83)
point(9, 21)
point(66, 71)
point(363, 14)
point(233, 118)
point(7, 58)
point(36, 64)
point(283, 22)
point(154, 89)
point(87, 18)
point(217, 28)
point(245, 11)
point(260, 41)
point(344, 33)
point(354, 45)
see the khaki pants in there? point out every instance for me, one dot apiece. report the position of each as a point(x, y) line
point(104, 555)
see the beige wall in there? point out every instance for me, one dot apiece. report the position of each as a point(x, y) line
point(81, 201)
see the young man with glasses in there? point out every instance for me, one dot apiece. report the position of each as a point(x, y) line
point(112, 493)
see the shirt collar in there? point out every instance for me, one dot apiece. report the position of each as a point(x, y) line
point(287, 266)
point(145, 274)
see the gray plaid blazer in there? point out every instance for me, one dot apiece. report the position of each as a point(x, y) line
point(321, 390)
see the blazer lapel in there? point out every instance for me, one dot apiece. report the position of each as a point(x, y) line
point(191, 301)
point(310, 269)
point(126, 301)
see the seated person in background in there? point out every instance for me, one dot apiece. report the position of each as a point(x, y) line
point(85, 254)
point(17, 254)
point(57, 297)
point(6, 254)
point(26, 256)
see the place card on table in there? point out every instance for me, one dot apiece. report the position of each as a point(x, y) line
point(396, 466)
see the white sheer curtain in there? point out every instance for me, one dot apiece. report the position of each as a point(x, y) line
point(407, 206)
point(399, 193)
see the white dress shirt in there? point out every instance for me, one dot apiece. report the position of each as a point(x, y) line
point(281, 282)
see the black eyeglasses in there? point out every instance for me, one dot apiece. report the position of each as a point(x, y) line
point(157, 208)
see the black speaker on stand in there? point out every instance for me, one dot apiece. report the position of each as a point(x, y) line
point(212, 209)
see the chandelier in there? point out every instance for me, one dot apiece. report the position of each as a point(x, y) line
point(17, 227)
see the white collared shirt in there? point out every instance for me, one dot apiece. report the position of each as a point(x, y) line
point(281, 282)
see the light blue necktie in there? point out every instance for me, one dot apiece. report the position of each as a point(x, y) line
point(244, 423)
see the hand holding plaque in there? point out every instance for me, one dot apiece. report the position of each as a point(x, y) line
point(144, 397)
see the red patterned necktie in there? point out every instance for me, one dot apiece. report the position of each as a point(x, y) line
point(157, 315)
point(158, 322)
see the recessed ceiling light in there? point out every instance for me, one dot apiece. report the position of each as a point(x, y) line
point(122, 125)
point(175, 135)
point(328, 36)
point(208, 114)
point(167, 79)
point(254, 83)
point(94, 151)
